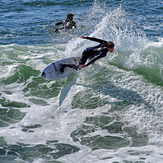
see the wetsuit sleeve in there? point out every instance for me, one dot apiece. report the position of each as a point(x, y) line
point(94, 59)
point(96, 40)
point(58, 23)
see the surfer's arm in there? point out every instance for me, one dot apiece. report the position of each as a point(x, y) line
point(94, 39)
point(92, 61)
point(58, 23)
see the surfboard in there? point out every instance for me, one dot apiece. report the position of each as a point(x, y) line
point(52, 71)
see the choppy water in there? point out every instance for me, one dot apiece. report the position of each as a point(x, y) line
point(110, 112)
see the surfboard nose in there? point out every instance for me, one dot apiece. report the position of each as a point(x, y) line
point(43, 74)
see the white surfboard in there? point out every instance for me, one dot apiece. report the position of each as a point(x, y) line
point(52, 71)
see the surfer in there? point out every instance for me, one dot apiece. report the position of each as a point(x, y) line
point(91, 53)
point(67, 24)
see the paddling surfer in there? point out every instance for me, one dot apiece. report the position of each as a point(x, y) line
point(67, 24)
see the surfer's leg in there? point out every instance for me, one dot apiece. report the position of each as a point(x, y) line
point(87, 54)
point(84, 58)
point(63, 65)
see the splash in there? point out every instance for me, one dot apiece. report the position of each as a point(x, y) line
point(133, 50)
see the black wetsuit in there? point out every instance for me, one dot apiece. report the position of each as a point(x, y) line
point(66, 25)
point(95, 52)
point(92, 53)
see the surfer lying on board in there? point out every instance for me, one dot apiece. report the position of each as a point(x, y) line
point(92, 53)
point(67, 24)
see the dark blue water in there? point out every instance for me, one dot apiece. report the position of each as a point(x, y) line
point(26, 22)
point(108, 112)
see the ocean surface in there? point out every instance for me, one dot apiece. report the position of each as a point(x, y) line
point(109, 112)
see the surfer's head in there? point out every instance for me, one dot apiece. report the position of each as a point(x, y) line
point(110, 46)
point(69, 17)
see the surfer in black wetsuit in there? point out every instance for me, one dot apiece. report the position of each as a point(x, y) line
point(67, 24)
point(92, 53)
